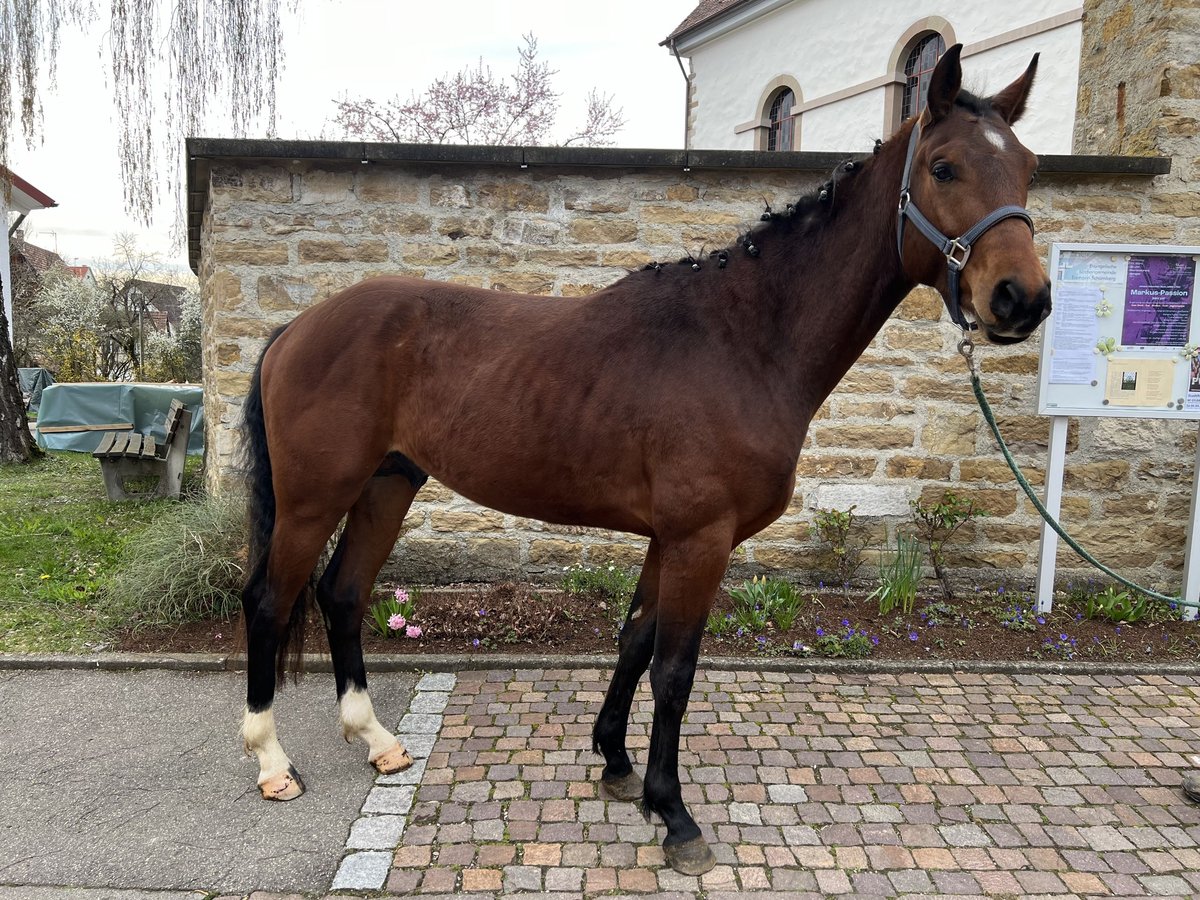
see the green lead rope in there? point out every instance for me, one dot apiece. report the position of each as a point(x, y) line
point(965, 349)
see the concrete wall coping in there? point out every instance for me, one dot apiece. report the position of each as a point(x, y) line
point(203, 152)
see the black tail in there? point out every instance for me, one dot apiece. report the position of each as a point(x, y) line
point(260, 512)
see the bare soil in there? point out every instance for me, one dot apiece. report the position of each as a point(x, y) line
point(520, 618)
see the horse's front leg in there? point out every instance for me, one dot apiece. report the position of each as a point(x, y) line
point(636, 646)
point(691, 573)
point(343, 593)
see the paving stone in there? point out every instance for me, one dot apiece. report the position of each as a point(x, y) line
point(375, 832)
point(362, 871)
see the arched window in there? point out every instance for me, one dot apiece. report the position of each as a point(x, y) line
point(781, 135)
point(918, 67)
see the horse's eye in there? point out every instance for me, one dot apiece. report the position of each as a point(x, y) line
point(943, 172)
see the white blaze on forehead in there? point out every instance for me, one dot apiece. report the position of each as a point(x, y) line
point(994, 137)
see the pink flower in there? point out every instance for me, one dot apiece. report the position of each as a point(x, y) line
point(413, 631)
point(396, 622)
point(401, 595)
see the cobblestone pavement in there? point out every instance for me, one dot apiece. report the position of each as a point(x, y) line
point(814, 785)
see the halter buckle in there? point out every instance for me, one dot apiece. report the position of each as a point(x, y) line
point(904, 199)
point(958, 262)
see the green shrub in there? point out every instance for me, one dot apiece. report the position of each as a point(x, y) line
point(763, 600)
point(187, 565)
point(834, 527)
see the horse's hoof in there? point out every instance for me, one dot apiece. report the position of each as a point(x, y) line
point(392, 761)
point(284, 786)
point(623, 787)
point(1191, 786)
point(691, 857)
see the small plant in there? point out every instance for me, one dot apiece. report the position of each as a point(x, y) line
point(720, 624)
point(1062, 647)
point(848, 643)
point(1019, 615)
point(1113, 604)
point(612, 586)
point(763, 600)
point(834, 527)
point(899, 577)
point(937, 523)
point(394, 616)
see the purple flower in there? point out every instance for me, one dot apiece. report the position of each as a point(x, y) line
point(475, 643)
point(874, 642)
point(820, 632)
point(413, 631)
point(401, 595)
point(396, 622)
point(912, 636)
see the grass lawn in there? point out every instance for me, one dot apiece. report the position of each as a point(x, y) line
point(60, 539)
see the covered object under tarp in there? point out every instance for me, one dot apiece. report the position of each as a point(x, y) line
point(33, 382)
point(75, 416)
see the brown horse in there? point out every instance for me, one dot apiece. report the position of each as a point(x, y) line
point(672, 404)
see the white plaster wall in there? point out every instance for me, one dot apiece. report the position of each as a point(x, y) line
point(829, 45)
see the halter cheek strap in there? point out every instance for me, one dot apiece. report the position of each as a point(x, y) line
point(956, 250)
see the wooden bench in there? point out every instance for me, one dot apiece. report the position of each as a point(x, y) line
point(126, 456)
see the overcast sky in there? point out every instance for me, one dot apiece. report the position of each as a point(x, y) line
point(375, 48)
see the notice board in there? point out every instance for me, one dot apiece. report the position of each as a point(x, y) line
point(1124, 337)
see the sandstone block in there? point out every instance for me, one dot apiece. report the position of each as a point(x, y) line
point(681, 215)
point(817, 465)
point(514, 195)
point(872, 437)
point(376, 184)
point(627, 259)
point(223, 290)
point(323, 187)
point(921, 304)
point(317, 251)
point(458, 227)
point(281, 292)
point(949, 435)
point(492, 554)
point(233, 384)
point(623, 555)
point(555, 553)
point(455, 520)
point(596, 202)
point(1109, 475)
point(397, 221)
point(603, 231)
point(251, 253)
point(424, 254)
point(920, 467)
point(524, 282)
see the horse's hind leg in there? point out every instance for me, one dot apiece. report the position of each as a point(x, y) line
point(268, 601)
point(636, 646)
point(343, 592)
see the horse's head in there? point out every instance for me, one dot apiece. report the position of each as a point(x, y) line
point(963, 227)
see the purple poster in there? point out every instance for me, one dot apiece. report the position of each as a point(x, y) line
point(1158, 300)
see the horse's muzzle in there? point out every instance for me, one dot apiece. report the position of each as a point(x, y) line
point(1018, 312)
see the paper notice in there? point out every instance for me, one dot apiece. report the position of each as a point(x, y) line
point(1076, 330)
point(1090, 267)
point(1139, 382)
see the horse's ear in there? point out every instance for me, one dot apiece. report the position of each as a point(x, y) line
point(944, 84)
point(1010, 102)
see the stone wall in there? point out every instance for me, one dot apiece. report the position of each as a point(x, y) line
point(281, 234)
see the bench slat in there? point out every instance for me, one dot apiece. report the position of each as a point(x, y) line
point(105, 445)
point(120, 444)
point(172, 423)
point(148, 447)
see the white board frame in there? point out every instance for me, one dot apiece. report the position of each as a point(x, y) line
point(1059, 407)
point(1066, 400)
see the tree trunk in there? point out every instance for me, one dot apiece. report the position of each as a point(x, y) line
point(16, 444)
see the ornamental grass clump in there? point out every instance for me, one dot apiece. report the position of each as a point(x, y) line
point(899, 577)
point(188, 565)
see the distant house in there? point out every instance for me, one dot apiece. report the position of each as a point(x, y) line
point(163, 303)
point(20, 201)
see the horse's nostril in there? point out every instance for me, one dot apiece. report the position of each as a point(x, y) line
point(1005, 298)
point(1043, 300)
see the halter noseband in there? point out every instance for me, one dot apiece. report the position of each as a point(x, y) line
point(956, 250)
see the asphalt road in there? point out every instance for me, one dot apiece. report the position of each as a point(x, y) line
point(138, 780)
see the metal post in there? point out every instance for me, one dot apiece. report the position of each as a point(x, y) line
point(1191, 554)
point(1047, 556)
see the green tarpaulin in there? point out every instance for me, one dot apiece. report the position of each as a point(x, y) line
point(74, 416)
point(33, 382)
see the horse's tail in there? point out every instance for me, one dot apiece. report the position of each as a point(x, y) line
point(260, 512)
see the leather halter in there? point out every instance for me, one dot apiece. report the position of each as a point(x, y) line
point(956, 250)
